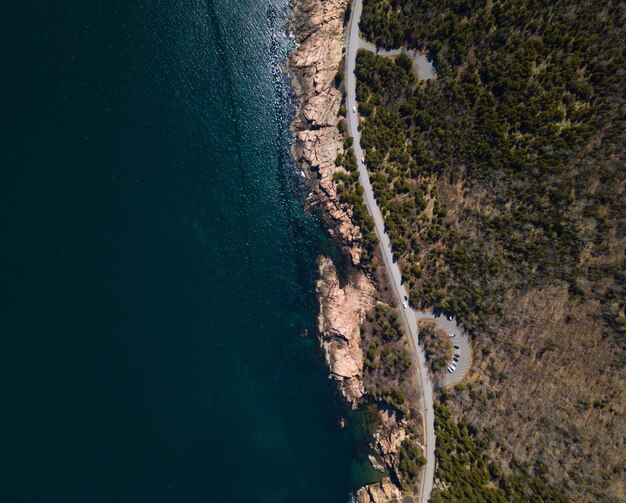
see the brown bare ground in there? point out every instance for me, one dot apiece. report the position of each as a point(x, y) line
point(550, 392)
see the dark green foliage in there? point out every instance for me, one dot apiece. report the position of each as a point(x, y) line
point(470, 476)
point(410, 461)
point(390, 79)
point(341, 125)
point(339, 76)
point(347, 14)
point(524, 112)
point(437, 349)
point(503, 179)
point(387, 359)
point(386, 323)
point(351, 193)
point(393, 397)
point(386, 329)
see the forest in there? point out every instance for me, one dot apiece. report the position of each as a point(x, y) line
point(390, 383)
point(389, 375)
point(524, 122)
point(469, 475)
point(502, 182)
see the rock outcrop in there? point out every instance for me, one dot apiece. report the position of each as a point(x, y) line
point(388, 438)
point(319, 30)
point(342, 310)
point(384, 491)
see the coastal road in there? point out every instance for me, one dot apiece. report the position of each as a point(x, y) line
point(408, 316)
point(393, 271)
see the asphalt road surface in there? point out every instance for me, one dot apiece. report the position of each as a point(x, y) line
point(461, 345)
point(423, 67)
point(408, 316)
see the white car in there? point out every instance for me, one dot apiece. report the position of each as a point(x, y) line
point(353, 110)
point(450, 370)
point(452, 336)
point(363, 160)
point(406, 304)
point(449, 317)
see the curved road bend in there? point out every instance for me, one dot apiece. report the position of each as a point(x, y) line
point(408, 316)
point(393, 271)
point(424, 68)
point(462, 346)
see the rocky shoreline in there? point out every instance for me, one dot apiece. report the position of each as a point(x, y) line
point(319, 30)
point(342, 311)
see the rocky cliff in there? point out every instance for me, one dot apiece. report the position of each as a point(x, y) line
point(342, 310)
point(319, 31)
point(383, 492)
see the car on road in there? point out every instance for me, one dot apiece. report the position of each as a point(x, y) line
point(450, 370)
point(449, 317)
point(456, 347)
point(451, 336)
point(363, 160)
point(353, 110)
point(453, 366)
point(405, 304)
point(457, 355)
point(455, 360)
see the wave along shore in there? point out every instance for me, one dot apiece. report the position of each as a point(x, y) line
point(319, 32)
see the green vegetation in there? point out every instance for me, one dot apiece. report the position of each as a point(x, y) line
point(470, 475)
point(410, 461)
point(350, 192)
point(502, 187)
point(392, 397)
point(390, 382)
point(437, 349)
point(387, 359)
point(386, 323)
point(524, 122)
point(386, 329)
point(339, 76)
point(348, 12)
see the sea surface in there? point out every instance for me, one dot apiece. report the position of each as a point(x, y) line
point(156, 267)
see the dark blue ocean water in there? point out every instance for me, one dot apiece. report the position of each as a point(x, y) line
point(156, 267)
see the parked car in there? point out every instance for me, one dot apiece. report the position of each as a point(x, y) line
point(405, 304)
point(453, 366)
point(456, 347)
point(452, 336)
point(354, 110)
point(449, 317)
point(455, 360)
point(457, 355)
point(363, 160)
point(450, 370)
